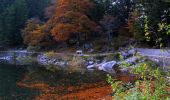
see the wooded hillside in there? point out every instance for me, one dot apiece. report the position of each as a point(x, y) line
point(78, 22)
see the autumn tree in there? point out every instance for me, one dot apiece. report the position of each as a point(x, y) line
point(34, 34)
point(13, 16)
point(31, 25)
point(71, 20)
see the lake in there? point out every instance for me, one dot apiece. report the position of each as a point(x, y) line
point(35, 82)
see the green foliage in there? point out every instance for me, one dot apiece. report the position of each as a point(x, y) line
point(14, 14)
point(50, 54)
point(164, 27)
point(151, 86)
point(146, 30)
point(120, 57)
point(14, 20)
point(36, 8)
point(102, 7)
point(144, 19)
point(85, 57)
point(155, 15)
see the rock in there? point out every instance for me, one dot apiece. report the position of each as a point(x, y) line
point(7, 58)
point(132, 60)
point(90, 62)
point(91, 50)
point(91, 66)
point(104, 66)
point(124, 70)
point(107, 66)
point(60, 64)
point(128, 53)
point(132, 51)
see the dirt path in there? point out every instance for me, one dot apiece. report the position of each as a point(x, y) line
point(142, 51)
point(154, 52)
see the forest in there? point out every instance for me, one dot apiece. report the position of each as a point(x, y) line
point(45, 23)
point(84, 49)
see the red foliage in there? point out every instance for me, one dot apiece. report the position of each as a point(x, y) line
point(71, 18)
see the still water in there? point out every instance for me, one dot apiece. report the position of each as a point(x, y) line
point(9, 76)
point(31, 76)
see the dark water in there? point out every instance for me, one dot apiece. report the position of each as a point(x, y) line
point(11, 74)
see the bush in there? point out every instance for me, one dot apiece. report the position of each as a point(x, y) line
point(76, 63)
point(50, 54)
point(152, 85)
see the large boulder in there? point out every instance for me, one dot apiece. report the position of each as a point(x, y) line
point(104, 66)
point(108, 66)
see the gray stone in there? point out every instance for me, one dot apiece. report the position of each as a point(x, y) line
point(107, 66)
point(104, 66)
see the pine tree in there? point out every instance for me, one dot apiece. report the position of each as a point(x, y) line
point(14, 21)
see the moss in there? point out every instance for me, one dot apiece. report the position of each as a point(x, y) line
point(85, 57)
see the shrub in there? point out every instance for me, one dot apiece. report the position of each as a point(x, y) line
point(152, 85)
point(50, 54)
point(76, 63)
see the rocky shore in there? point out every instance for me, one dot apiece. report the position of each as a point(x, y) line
point(106, 62)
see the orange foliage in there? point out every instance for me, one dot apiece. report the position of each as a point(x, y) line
point(37, 36)
point(62, 31)
point(71, 18)
point(31, 26)
point(73, 5)
point(35, 32)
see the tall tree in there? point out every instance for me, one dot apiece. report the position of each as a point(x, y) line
point(15, 17)
point(36, 8)
point(72, 20)
point(101, 8)
point(153, 14)
point(14, 14)
point(109, 24)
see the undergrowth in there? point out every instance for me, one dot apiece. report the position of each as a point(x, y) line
point(152, 84)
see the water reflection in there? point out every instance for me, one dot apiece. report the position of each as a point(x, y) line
point(36, 82)
point(9, 76)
